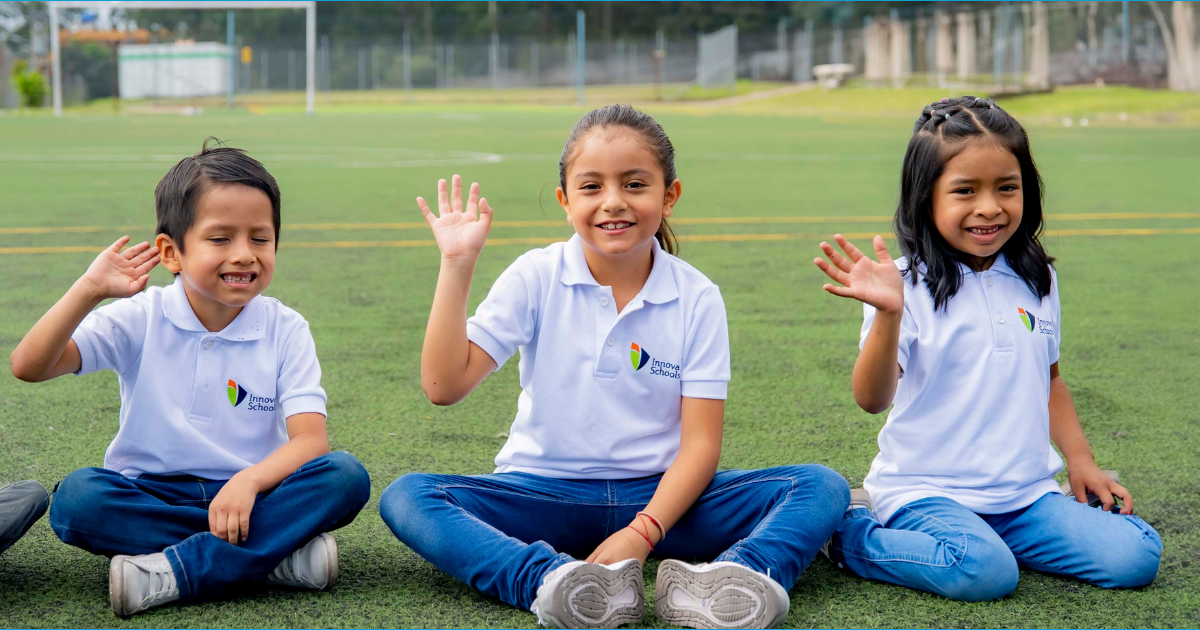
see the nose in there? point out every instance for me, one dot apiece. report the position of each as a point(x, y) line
point(241, 253)
point(989, 206)
point(612, 201)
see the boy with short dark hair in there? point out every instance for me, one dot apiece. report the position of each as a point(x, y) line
point(220, 474)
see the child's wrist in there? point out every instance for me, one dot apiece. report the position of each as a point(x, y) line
point(461, 263)
point(88, 290)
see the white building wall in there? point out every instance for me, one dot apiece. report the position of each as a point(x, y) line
point(173, 70)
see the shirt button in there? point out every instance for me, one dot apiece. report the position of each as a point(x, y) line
point(1000, 319)
point(988, 282)
point(603, 301)
point(611, 341)
point(208, 345)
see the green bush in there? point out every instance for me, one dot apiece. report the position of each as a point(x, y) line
point(31, 85)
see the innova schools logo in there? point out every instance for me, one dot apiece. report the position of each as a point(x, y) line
point(1031, 322)
point(238, 395)
point(639, 358)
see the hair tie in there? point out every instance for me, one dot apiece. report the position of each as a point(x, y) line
point(944, 100)
point(947, 116)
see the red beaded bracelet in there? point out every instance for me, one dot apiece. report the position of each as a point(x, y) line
point(661, 531)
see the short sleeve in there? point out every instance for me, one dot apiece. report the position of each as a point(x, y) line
point(1056, 312)
point(299, 385)
point(705, 369)
point(507, 317)
point(908, 333)
point(111, 337)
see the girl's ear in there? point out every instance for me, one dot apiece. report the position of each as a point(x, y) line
point(562, 201)
point(168, 253)
point(674, 191)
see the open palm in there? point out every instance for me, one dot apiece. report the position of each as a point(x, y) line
point(460, 231)
point(120, 274)
point(876, 283)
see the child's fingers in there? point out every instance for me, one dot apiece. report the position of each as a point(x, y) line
point(245, 526)
point(1079, 489)
point(1106, 498)
point(592, 558)
point(443, 199)
point(118, 244)
point(485, 215)
point(848, 247)
point(845, 292)
point(146, 266)
point(212, 523)
point(146, 254)
point(835, 274)
point(881, 250)
point(425, 211)
point(136, 250)
point(1123, 494)
point(456, 204)
point(231, 529)
point(473, 197)
point(841, 261)
point(141, 282)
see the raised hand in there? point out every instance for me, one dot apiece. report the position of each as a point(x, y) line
point(460, 232)
point(876, 283)
point(120, 274)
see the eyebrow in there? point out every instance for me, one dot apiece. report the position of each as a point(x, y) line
point(967, 180)
point(634, 171)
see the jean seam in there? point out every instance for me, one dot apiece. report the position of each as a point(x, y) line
point(945, 526)
point(733, 551)
point(188, 582)
point(443, 487)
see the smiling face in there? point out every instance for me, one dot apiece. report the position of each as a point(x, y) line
point(615, 196)
point(978, 201)
point(228, 254)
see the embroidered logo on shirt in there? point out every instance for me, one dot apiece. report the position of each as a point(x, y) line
point(237, 394)
point(1031, 322)
point(638, 357)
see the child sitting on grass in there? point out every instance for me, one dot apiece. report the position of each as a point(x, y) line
point(222, 425)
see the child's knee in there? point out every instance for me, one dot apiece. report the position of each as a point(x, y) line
point(822, 480)
point(76, 500)
point(986, 571)
point(400, 502)
point(349, 476)
point(1132, 563)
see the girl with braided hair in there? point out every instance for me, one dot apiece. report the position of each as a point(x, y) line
point(962, 334)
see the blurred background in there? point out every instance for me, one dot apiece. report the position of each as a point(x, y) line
point(122, 54)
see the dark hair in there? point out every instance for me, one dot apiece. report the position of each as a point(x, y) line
point(942, 132)
point(179, 191)
point(660, 145)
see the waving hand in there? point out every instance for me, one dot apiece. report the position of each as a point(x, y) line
point(876, 283)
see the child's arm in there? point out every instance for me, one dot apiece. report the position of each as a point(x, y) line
point(879, 284)
point(1082, 471)
point(702, 422)
point(229, 512)
point(47, 351)
point(451, 366)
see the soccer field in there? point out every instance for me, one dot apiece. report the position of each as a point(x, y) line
point(760, 191)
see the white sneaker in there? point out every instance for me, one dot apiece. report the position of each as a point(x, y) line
point(313, 566)
point(137, 583)
point(718, 595)
point(585, 595)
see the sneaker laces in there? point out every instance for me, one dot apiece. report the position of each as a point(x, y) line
point(162, 585)
point(286, 571)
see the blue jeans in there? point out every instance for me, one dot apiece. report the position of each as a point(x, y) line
point(106, 513)
point(502, 533)
point(939, 546)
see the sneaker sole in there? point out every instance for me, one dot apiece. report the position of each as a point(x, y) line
point(116, 583)
point(594, 596)
point(725, 597)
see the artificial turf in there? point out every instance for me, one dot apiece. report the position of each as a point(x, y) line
point(1130, 328)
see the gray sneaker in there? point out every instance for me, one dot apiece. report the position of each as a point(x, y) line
point(858, 499)
point(585, 595)
point(1092, 499)
point(313, 566)
point(718, 595)
point(137, 583)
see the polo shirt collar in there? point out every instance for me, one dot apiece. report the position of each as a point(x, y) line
point(660, 286)
point(250, 324)
point(1000, 265)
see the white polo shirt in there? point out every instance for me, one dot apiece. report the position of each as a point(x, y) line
point(195, 402)
point(601, 391)
point(971, 419)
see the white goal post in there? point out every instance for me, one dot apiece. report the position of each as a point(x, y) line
point(310, 44)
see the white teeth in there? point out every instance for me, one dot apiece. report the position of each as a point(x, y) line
point(614, 226)
point(236, 278)
point(981, 230)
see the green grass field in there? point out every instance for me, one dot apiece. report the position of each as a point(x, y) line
point(358, 262)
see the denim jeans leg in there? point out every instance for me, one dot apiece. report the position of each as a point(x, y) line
point(103, 512)
point(321, 496)
point(772, 520)
point(21, 505)
point(1062, 536)
point(501, 533)
point(932, 544)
